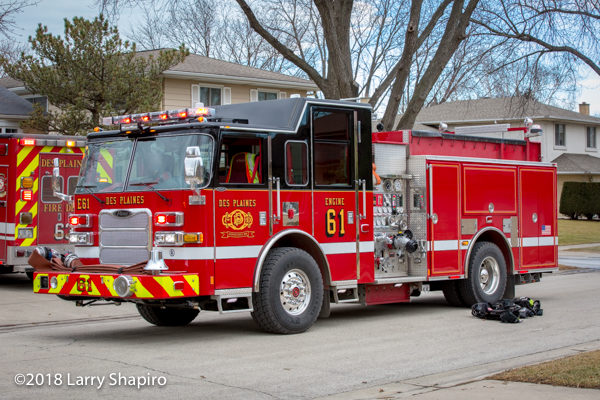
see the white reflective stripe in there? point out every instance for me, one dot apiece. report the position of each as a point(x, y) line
point(365, 247)
point(443, 245)
point(230, 252)
point(530, 242)
point(7, 227)
point(546, 241)
point(187, 253)
point(87, 252)
point(339, 248)
point(7, 236)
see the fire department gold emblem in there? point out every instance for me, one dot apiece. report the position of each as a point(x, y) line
point(237, 220)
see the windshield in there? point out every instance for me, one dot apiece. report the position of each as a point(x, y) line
point(158, 163)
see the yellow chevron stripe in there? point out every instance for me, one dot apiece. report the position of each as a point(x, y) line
point(36, 282)
point(193, 281)
point(62, 280)
point(140, 290)
point(93, 292)
point(23, 153)
point(167, 283)
point(108, 282)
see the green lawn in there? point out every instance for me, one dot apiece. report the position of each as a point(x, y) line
point(578, 232)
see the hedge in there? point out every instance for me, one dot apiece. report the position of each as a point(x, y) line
point(580, 198)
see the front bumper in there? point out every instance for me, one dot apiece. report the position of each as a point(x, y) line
point(101, 285)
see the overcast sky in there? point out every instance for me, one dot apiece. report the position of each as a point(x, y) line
point(52, 13)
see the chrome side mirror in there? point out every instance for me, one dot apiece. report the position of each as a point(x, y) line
point(194, 166)
point(56, 186)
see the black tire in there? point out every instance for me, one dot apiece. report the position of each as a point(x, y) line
point(452, 294)
point(486, 281)
point(29, 275)
point(169, 316)
point(291, 292)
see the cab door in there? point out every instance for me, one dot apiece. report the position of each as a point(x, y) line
point(336, 190)
point(53, 213)
point(241, 208)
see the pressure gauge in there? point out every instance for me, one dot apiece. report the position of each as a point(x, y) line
point(387, 185)
point(398, 185)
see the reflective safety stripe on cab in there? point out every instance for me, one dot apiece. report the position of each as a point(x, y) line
point(101, 285)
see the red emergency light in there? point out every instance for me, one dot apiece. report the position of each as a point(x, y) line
point(168, 219)
point(80, 220)
point(27, 142)
point(26, 195)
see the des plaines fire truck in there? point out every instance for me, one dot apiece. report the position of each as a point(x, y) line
point(30, 214)
point(283, 207)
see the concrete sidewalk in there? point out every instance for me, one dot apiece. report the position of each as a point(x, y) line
point(576, 256)
point(471, 383)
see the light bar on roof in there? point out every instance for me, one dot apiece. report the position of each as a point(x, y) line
point(158, 116)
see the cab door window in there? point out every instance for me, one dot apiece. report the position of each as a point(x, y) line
point(332, 155)
point(241, 160)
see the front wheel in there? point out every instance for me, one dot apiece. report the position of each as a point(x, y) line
point(486, 282)
point(291, 292)
point(169, 316)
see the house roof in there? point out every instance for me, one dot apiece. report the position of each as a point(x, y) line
point(210, 69)
point(569, 163)
point(497, 109)
point(13, 106)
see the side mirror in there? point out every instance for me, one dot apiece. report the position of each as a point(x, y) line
point(56, 186)
point(194, 167)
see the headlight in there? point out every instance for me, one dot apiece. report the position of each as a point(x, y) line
point(168, 238)
point(81, 238)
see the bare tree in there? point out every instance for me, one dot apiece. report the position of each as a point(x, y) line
point(547, 27)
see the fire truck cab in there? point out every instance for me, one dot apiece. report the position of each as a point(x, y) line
point(276, 208)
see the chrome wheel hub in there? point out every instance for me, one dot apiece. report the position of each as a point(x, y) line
point(489, 275)
point(295, 292)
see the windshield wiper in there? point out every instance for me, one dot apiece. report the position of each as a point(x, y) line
point(150, 185)
point(88, 189)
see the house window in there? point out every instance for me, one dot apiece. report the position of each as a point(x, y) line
point(266, 95)
point(591, 137)
point(9, 130)
point(41, 100)
point(559, 135)
point(210, 96)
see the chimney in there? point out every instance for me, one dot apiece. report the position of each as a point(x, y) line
point(584, 108)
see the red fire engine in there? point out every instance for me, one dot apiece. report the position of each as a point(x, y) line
point(275, 207)
point(30, 215)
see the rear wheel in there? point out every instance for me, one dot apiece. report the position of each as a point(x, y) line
point(486, 282)
point(169, 316)
point(291, 292)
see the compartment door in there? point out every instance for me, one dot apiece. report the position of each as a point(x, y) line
point(538, 218)
point(444, 209)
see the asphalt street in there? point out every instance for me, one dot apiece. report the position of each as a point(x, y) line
point(228, 357)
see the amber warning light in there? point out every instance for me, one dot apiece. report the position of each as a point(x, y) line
point(158, 116)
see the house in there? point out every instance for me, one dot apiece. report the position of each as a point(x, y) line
point(200, 79)
point(13, 110)
point(570, 138)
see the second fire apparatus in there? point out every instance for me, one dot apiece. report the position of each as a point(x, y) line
point(30, 215)
point(275, 207)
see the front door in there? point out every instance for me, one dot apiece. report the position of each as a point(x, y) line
point(241, 208)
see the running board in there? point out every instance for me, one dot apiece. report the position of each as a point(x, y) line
point(345, 292)
point(233, 300)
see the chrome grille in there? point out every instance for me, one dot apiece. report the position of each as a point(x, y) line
point(125, 236)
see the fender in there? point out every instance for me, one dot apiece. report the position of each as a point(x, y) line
point(271, 243)
point(474, 240)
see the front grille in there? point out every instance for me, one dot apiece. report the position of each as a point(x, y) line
point(125, 236)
